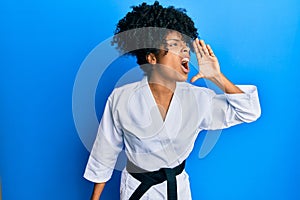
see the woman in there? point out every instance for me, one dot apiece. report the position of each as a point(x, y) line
point(157, 119)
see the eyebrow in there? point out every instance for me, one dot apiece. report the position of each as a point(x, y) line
point(175, 39)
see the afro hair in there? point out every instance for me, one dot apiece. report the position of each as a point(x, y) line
point(143, 30)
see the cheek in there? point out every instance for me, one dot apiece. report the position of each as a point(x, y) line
point(172, 59)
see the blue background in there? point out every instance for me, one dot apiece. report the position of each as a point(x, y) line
point(42, 45)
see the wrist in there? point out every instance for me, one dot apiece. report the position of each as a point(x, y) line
point(217, 78)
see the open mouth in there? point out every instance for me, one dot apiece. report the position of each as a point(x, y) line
point(185, 65)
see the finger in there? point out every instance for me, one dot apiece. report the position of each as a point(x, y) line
point(198, 54)
point(196, 77)
point(199, 47)
point(211, 53)
point(204, 48)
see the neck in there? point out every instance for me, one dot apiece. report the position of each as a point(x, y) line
point(162, 92)
point(161, 86)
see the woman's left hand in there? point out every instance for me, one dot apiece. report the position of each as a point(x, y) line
point(208, 63)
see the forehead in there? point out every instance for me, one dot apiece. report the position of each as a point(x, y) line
point(173, 35)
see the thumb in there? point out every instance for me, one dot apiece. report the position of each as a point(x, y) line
point(196, 77)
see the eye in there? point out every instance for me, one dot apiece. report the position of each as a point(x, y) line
point(173, 44)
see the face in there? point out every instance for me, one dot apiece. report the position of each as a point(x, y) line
point(173, 65)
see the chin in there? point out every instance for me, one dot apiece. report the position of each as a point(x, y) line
point(182, 78)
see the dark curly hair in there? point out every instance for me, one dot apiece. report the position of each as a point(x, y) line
point(143, 30)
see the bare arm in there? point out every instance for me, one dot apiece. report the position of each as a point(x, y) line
point(226, 85)
point(98, 188)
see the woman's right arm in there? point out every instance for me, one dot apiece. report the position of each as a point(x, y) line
point(106, 148)
point(98, 188)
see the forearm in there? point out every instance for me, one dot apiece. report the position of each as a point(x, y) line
point(98, 188)
point(226, 85)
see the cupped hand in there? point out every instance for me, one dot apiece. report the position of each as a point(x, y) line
point(208, 63)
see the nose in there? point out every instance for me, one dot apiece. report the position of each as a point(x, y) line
point(185, 49)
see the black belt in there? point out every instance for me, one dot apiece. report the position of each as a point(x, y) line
point(148, 179)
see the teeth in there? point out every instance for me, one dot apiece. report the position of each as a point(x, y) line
point(185, 60)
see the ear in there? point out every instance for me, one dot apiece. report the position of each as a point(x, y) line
point(150, 57)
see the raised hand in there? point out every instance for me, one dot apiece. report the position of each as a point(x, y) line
point(208, 63)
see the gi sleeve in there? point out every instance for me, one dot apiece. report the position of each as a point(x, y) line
point(226, 110)
point(107, 146)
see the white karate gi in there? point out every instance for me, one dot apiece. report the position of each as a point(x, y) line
point(132, 120)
